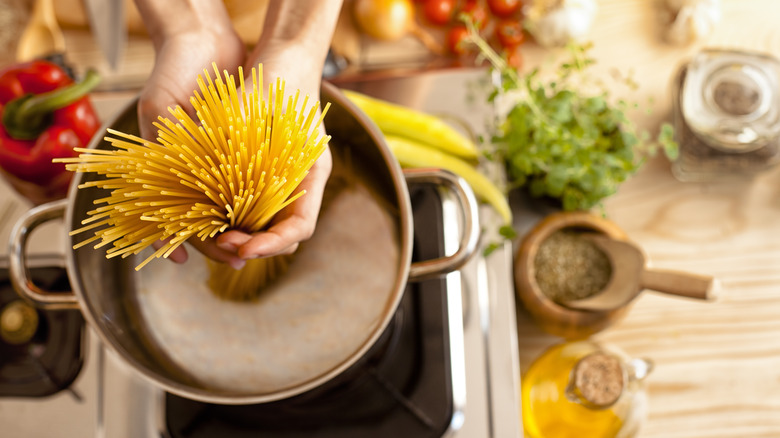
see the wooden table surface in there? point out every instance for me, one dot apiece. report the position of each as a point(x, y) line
point(717, 371)
point(717, 368)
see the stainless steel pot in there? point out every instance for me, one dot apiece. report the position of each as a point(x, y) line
point(114, 299)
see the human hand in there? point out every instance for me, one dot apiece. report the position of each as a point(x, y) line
point(297, 222)
point(180, 57)
point(293, 46)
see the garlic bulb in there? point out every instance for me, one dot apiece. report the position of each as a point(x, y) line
point(553, 23)
point(692, 19)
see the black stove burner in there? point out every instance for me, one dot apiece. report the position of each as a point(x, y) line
point(402, 388)
point(49, 361)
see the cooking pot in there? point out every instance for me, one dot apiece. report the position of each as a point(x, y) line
point(340, 293)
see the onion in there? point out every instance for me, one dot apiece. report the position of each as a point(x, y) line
point(391, 20)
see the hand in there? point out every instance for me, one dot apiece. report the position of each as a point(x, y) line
point(290, 226)
point(180, 57)
point(297, 222)
point(293, 46)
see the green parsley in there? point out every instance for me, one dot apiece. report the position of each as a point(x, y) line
point(561, 142)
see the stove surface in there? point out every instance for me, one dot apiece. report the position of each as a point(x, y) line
point(113, 401)
point(403, 387)
point(46, 354)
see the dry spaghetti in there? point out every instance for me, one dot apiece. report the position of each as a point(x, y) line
point(234, 168)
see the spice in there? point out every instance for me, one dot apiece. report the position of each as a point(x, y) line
point(736, 98)
point(570, 267)
point(726, 116)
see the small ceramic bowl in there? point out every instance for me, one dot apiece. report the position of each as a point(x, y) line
point(551, 316)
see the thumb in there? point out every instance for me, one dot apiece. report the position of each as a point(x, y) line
point(149, 109)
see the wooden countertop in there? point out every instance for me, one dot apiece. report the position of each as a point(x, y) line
point(717, 368)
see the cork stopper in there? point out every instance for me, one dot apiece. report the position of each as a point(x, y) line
point(598, 380)
point(18, 322)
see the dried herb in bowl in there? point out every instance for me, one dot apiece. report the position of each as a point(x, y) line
point(570, 267)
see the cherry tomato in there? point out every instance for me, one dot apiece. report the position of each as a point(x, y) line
point(509, 33)
point(439, 11)
point(476, 12)
point(456, 37)
point(504, 8)
point(514, 57)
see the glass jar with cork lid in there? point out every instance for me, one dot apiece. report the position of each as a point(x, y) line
point(584, 389)
point(727, 115)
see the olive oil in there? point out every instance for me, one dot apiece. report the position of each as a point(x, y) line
point(556, 405)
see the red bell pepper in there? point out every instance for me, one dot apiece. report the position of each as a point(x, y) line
point(44, 116)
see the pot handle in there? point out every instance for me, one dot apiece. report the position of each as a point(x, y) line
point(470, 234)
point(20, 274)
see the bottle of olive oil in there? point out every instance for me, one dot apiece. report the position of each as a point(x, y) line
point(584, 389)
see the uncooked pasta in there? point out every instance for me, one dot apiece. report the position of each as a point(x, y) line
point(233, 168)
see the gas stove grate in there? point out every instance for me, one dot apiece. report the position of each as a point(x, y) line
point(52, 359)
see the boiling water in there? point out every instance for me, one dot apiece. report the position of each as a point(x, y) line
point(334, 296)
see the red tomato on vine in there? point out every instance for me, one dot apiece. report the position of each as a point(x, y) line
point(456, 40)
point(476, 13)
point(514, 57)
point(509, 33)
point(438, 12)
point(504, 8)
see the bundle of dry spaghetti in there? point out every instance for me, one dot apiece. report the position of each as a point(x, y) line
point(232, 169)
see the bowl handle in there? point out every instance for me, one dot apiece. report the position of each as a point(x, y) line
point(19, 272)
point(469, 238)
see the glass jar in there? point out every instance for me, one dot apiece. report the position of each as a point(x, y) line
point(727, 115)
point(584, 389)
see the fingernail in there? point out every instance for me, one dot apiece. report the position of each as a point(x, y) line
point(237, 264)
point(227, 246)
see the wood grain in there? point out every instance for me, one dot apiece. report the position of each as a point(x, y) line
point(717, 368)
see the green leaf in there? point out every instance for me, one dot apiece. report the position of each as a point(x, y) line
point(556, 180)
point(572, 143)
point(489, 248)
point(666, 140)
point(507, 231)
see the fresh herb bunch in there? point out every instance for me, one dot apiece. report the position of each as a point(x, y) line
point(562, 142)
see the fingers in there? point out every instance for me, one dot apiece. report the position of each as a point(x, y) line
point(179, 60)
point(291, 226)
point(179, 255)
point(149, 108)
point(282, 238)
point(210, 249)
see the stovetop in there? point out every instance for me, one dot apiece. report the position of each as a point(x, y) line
point(41, 351)
point(108, 399)
point(403, 387)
